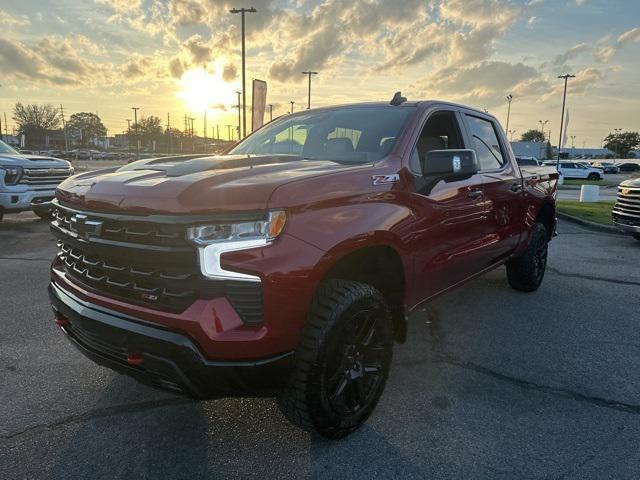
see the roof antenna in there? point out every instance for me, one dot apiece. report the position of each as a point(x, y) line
point(398, 99)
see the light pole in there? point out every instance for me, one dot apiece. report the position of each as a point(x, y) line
point(135, 124)
point(292, 102)
point(309, 73)
point(229, 131)
point(573, 145)
point(242, 11)
point(542, 125)
point(511, 132)
point(617, 137)
point(239, 93)
point(509, 98)
point(566, 77)
point(270, 112)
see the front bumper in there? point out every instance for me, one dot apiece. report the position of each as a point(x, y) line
point(170, 360)
point(627, 227)
point(21, 200)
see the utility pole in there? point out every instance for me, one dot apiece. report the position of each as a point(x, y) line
point(292, 102)
point(229, 132)
point(309, 73)
point(205, 129)
point(242, 11)
point(270, 112)
point(64, 129)
point(573, 145)
point(193, 136)
point(239, 115)
point(509, 98)
point(511, 132)
point(6, 132)
point(135, 125)
point(566, 77)
point(129, 134)
point(170, 145)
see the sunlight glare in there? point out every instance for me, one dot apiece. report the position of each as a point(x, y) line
point(201, 89)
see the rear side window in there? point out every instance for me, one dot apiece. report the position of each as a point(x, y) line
point(486, 143)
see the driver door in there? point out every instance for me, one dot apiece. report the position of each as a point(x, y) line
point(449, 213)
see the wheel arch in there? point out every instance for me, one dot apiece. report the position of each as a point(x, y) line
point(379, 265)
point(547, 216)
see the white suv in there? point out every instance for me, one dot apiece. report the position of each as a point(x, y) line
point(578, 170)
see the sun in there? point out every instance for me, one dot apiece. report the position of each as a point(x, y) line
point(202, 90)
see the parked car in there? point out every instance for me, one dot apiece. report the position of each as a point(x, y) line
point(607, 167)
point(580, 170)
point(28, 182)
point(266, 272)
point(528, 161)
point(626, 211)
point(629, 167)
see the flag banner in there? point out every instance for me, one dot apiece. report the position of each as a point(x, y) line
point(566, 130)
point(259, 103)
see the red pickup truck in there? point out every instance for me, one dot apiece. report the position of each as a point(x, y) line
point(289, 266)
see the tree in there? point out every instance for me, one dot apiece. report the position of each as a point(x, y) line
point(89, 124)
point(622, 142)
point(150, 129)
point(34, 120)
point(533, 135)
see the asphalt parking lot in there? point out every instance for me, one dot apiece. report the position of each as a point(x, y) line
point(492, 383)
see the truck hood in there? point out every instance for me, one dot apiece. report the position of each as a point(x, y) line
point(193, 185)
point(32, 161)
point(633, 182)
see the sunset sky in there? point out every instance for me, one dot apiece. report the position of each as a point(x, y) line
point(182, 56)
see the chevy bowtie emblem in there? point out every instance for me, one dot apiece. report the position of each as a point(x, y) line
point(81, 225)
point(625, 191)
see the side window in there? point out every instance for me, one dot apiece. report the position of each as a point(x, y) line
point(486, 143)
point(348, 133)
point(441, 132)
point(290, 140)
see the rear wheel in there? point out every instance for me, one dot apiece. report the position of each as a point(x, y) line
point(593, 176)
point(525, 273)
point(342, 362)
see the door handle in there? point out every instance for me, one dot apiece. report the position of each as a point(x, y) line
point(516, 188)
point(474, 194)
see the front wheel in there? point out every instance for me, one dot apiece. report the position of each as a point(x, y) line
point(525, 273)
point(342, 362)
point(44, 214)
point(593, 177)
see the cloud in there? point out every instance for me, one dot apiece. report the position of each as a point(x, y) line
point(230, 73)
point(606, 53)
point(570, 54)
point(8, 21)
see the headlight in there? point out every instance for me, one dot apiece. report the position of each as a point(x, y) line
point(215, 239)
point(265, 229)
point(11, 174)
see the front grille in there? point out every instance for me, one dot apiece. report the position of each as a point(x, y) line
point(132, 231)
point(109, 255)
point(627, 207)
point(44, 176)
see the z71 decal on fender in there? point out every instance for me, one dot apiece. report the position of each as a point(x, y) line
point(385, 179)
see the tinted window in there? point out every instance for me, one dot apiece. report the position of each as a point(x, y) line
point(486, 143)
point(527, 162)
point(345, 135)
point(441, 132)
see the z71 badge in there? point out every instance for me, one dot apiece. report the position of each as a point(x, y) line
point(385, 179)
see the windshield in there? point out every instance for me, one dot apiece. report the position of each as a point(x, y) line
point(344, 135)
point(4, 148)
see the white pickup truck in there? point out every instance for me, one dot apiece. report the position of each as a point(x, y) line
point(28, 182)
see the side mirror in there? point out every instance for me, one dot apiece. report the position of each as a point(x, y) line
point(450, 163)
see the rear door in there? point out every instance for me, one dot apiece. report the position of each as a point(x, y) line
point(502, 186)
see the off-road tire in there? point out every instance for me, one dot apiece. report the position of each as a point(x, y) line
point(525, 273)
point(309, 399)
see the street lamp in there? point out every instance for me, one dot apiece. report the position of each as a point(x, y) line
point(566, 77)
point(542, 125)
point(511, 132)
point(135, 125)
point(509, 98)
point(292, 102)
point(309, 73)
point(242, 11)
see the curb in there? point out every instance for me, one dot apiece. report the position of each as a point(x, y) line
point(591, 225)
